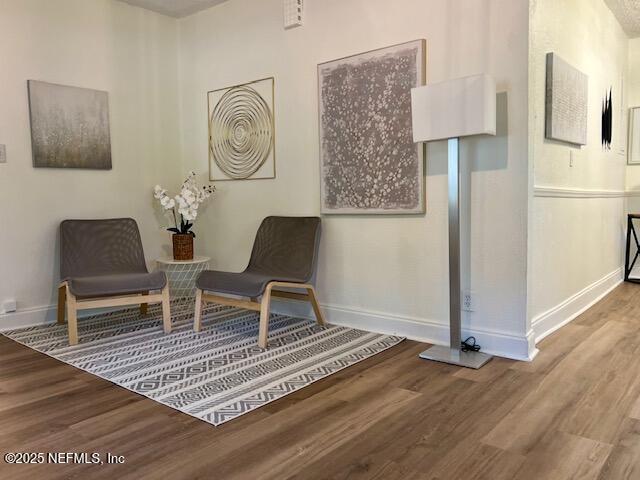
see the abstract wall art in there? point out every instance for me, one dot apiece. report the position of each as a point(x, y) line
point(566, 102)
point(369, 163)
point(242, 131)
point(607, 121)
point(69, 126)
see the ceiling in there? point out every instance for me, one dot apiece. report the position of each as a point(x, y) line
point(628, 14)
point(626, 11)
point(175, 8)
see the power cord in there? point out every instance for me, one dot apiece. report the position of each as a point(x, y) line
point(469, 345)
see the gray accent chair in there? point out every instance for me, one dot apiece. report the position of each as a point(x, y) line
point(102, 265)
point(284, 255)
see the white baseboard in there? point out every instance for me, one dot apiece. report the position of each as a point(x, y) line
point(28, 317)
point(557, 317)
point(422, 330)
point(31, 317)
point(568, 192)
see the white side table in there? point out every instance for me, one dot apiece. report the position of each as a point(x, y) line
point(182, 274)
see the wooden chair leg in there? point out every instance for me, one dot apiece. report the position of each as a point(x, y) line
point(311, 292)
point(72, 316)
point(197, 316)
point(264, 318)
point(62, 300)
point(144, 306)
point(166, 310)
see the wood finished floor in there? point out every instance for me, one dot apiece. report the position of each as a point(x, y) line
point(572, 413)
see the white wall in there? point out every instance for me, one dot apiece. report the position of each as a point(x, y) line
point(382, 273)
point(633, 96)
point(576, 220)
point(101, 44)
point(633, 92)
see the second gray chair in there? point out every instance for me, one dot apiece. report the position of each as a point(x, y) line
point(284, 256)
point(102, 265)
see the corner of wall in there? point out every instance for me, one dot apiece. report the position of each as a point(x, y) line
point(576, 194)
point(557, 317)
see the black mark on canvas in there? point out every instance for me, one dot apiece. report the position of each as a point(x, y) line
point(607, 117)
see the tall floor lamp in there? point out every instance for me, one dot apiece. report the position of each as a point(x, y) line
point(450, 110)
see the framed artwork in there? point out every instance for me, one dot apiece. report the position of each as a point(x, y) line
point(634, 136)
point(242, 131)
point(69, 126)
point(567, 95)
point(369, 163)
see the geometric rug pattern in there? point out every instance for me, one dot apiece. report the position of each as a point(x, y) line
point(215, 375)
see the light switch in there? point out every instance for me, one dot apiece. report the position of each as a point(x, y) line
point(3, 154)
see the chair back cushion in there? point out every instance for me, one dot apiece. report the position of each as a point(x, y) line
point(286, 247)
point(100, 247)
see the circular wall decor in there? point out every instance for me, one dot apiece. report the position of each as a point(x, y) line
point(241, 132)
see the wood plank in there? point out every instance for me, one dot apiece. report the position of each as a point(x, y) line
point(558, 392)
point(233, 302)
point(482, 462)
point(291, 295)
point(319, 442)
point(635, 410)
point(624, 461)
point(118, 301)
point(600, 413)
point(487, 373)
point(561, 455)
point(554, 348)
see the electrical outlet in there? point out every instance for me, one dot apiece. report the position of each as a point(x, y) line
point(9, 306)
point(467, 301)
point(3, 154)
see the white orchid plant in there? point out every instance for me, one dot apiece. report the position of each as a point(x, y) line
point(184, 206)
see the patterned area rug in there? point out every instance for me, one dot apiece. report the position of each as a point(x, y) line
point(215, 375)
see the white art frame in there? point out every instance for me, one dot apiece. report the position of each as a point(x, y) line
point(347, 185)
point(634, 136)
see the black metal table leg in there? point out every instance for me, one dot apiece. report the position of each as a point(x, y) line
point(631, 231)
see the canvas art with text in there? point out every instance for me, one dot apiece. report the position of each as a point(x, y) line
point(368, 160)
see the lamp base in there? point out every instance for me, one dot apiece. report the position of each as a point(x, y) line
point(454, 356)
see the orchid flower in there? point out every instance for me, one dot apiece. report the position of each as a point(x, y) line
point(184, 206)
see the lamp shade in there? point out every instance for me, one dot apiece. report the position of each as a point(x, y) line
point(454, 108)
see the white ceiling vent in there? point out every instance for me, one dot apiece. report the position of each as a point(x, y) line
point(293, 13)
